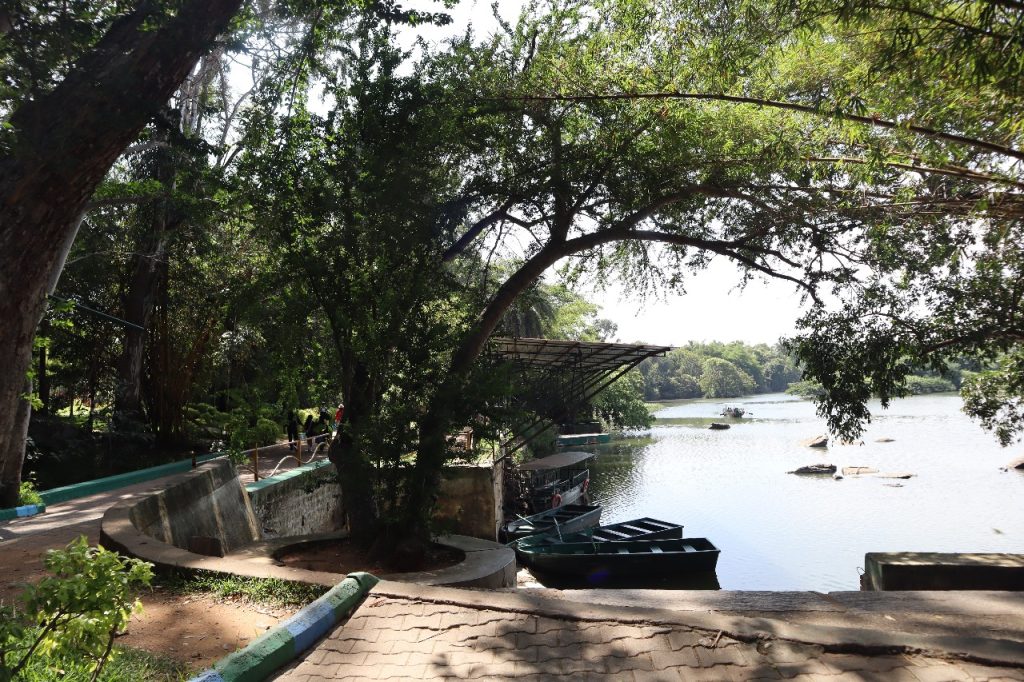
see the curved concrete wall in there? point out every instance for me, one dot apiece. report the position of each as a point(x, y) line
point(211, 511)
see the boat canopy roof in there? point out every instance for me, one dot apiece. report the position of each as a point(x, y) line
point(562, 459)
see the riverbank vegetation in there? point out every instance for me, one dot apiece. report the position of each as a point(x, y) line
point(356, 225)
point(718, 370)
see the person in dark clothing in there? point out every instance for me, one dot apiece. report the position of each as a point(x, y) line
point(308, 428)
point(293, 429)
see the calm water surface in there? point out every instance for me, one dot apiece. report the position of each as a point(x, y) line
point(784, 532)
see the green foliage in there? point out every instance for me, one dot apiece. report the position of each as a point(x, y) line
point(806, 389)
point(917, 385)
point(28, 494)
point(270, 591)
point(128, 665)
point(621, 406)
point(722, 379)
point(738, 369)
point(76, 613)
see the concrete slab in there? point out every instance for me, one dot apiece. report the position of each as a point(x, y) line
point(943, 571)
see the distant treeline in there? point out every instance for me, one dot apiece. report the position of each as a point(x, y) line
point(718, 370)
point(918, 383)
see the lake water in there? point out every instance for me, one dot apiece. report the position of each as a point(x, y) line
point(779, 531)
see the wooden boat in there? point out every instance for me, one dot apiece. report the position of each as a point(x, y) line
point(615, 560)
point(567, 519)
point(637, 529)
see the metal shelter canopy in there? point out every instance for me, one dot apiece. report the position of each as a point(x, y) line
point(565, 375)
point(557, 461)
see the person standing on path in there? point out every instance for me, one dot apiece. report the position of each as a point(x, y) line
point(338, 415)
point(293, 430)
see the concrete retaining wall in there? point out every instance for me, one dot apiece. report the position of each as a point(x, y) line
point(303, 501)
point(211, 512)
point(469, 501)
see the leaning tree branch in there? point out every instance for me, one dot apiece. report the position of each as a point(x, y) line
point(925, 131)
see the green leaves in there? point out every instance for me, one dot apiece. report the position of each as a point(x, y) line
point(76, 613)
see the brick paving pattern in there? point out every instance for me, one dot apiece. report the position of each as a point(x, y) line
point(392, 638)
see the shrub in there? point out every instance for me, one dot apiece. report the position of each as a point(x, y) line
point(72, 617)
point(28, 494)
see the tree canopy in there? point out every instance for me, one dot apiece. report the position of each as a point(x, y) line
point(356, 225)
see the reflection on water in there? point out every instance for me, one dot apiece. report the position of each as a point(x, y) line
point(779, 531)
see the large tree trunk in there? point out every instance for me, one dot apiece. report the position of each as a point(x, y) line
point(62, 145)
point(356, 473)
point(440, 419)
point(150, 252)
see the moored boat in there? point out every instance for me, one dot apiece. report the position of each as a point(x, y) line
point(554, 481)
point(613, 560)
point(734, 411)
point(567, 519)
point(625, 531)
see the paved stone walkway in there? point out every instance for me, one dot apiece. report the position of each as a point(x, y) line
point(458, 634)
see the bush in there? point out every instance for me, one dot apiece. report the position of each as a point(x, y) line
point(28, 494)
point(70, 619)
point(921, 385)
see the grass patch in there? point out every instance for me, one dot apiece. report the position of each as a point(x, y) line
point(267, 591)
point(128, 665)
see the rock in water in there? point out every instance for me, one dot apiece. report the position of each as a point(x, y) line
point(884, 440)
point(816, 442)
point(1016, 464)
point(896, 475)
point(815, 469)
point(858, 471)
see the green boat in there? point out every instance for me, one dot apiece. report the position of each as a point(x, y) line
point(637, 529)
point(618, 560)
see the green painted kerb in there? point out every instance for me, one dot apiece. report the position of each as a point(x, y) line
point(281, 645)
point(102, 485)
point(22, 511)
point(285, 475)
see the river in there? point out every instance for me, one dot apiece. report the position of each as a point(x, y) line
point(779, 531)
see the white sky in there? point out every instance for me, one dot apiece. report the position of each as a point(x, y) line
point(712, 309)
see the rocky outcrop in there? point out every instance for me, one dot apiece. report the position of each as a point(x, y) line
point(813, 469)
point(816, 442)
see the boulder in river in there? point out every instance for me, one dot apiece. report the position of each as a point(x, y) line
point(1016, 464)
point(858, 471)
point(815, 469)
point(718, 426)
point(816, 442)
point(884, 440)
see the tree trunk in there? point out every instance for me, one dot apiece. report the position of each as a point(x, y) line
point(438, 422)
point(57, 155)
point(356, 474)
point(139, 300)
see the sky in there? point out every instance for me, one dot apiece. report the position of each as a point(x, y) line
point(712, 309)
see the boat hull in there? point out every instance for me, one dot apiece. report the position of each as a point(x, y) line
point(567, 519)
point(636, 529)
point(622, 560)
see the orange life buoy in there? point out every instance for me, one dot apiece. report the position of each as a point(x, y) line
point(556, 500)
